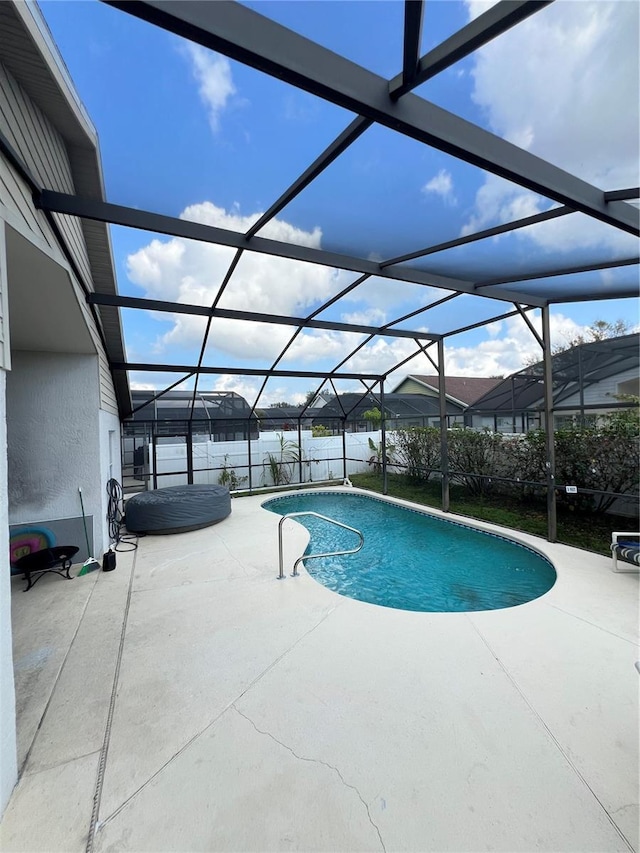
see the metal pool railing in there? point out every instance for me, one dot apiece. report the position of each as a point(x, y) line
point(314, 556)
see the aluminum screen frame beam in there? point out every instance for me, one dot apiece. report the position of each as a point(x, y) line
point(601, 295)
point(573, 270)
point(413, 16)
point(145, 367)
point(256, 41)
point(492, 23)
point(131, 217)
point(507, 227)
point(340, 144)
point(233, 314)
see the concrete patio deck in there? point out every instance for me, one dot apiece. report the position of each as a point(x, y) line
point(191, 701)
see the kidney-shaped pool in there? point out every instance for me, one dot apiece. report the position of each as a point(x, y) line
point(412, 560)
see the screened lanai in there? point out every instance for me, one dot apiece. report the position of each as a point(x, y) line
point(337, 223)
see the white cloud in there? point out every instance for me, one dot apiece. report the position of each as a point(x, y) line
point(564, 84)
point(382, 354)
point(318, 347)
point(368, 317)
point(442, 185)
point(142, 386)
point(190, 272)
point(512, 349)
point(393, 296)
point(215, 86)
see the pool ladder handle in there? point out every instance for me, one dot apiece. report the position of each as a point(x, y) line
point(294, 574)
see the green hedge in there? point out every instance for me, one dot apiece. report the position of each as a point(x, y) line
point(605, 458)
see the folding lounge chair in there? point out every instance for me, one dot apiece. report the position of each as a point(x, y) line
point(626, 548)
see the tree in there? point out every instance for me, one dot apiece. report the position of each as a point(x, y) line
point(374, 417)
point(599, 330)
point(282, 405)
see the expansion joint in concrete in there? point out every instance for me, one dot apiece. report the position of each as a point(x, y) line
point(104, 750)
point(552, 736)
point(320, 762)
point(594, 625)
point(206, 728)
point(23, 769)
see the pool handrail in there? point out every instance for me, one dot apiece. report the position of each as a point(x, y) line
point(294, 574)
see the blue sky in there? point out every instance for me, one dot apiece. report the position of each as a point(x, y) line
point(185, 132)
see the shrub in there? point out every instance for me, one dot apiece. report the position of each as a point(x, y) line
point(418, 449)
point(473, 457)
point(605, 458)
point(320, 431)
point(279, 466)
point(376, 459)
point(228, 476)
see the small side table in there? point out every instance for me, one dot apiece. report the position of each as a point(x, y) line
point(57, 560)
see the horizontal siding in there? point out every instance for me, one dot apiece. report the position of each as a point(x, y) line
point(410, 386)
point(16, 196)
point(108, 400)
point(44, 153)
point(5, 355)
point(603, 392)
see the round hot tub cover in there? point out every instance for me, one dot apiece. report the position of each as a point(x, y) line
point(177, 509)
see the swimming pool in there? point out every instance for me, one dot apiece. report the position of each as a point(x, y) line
point(412, 560)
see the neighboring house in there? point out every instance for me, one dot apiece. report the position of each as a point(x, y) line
point(168, 419)
point(588, 381)
point(218, 415)
point(460, 391)
point(285, 418)
point(401, 411)
point(60, 407)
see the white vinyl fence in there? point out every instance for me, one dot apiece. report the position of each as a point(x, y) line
point(275, 460)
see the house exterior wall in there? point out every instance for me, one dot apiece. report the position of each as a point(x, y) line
point(59, 424)
point(54, 439)
point(110, 467)
point(5, 351)
point(603, 392)
point(44, 152)
point(410, 386)
point(506, 423)
point(8, 755)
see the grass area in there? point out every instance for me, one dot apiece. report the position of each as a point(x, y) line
point(582, 530)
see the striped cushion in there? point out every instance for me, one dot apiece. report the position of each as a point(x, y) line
point(629, 551)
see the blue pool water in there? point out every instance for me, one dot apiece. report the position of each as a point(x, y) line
point(414, 561)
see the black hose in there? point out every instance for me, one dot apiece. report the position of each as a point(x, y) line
point(115, 517)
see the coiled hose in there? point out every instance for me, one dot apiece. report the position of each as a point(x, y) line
point(115, 516)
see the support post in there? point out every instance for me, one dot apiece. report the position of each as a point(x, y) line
point(344, 449)
point(249, 456)
point(189, 440)
point(154, 454)
point(444, 451)
point(581, 383)
point(383, 442)
point(552, 522)
point(299, 451)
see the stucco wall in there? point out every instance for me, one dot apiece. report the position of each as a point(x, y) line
point(8, 761)
point(53, 429)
